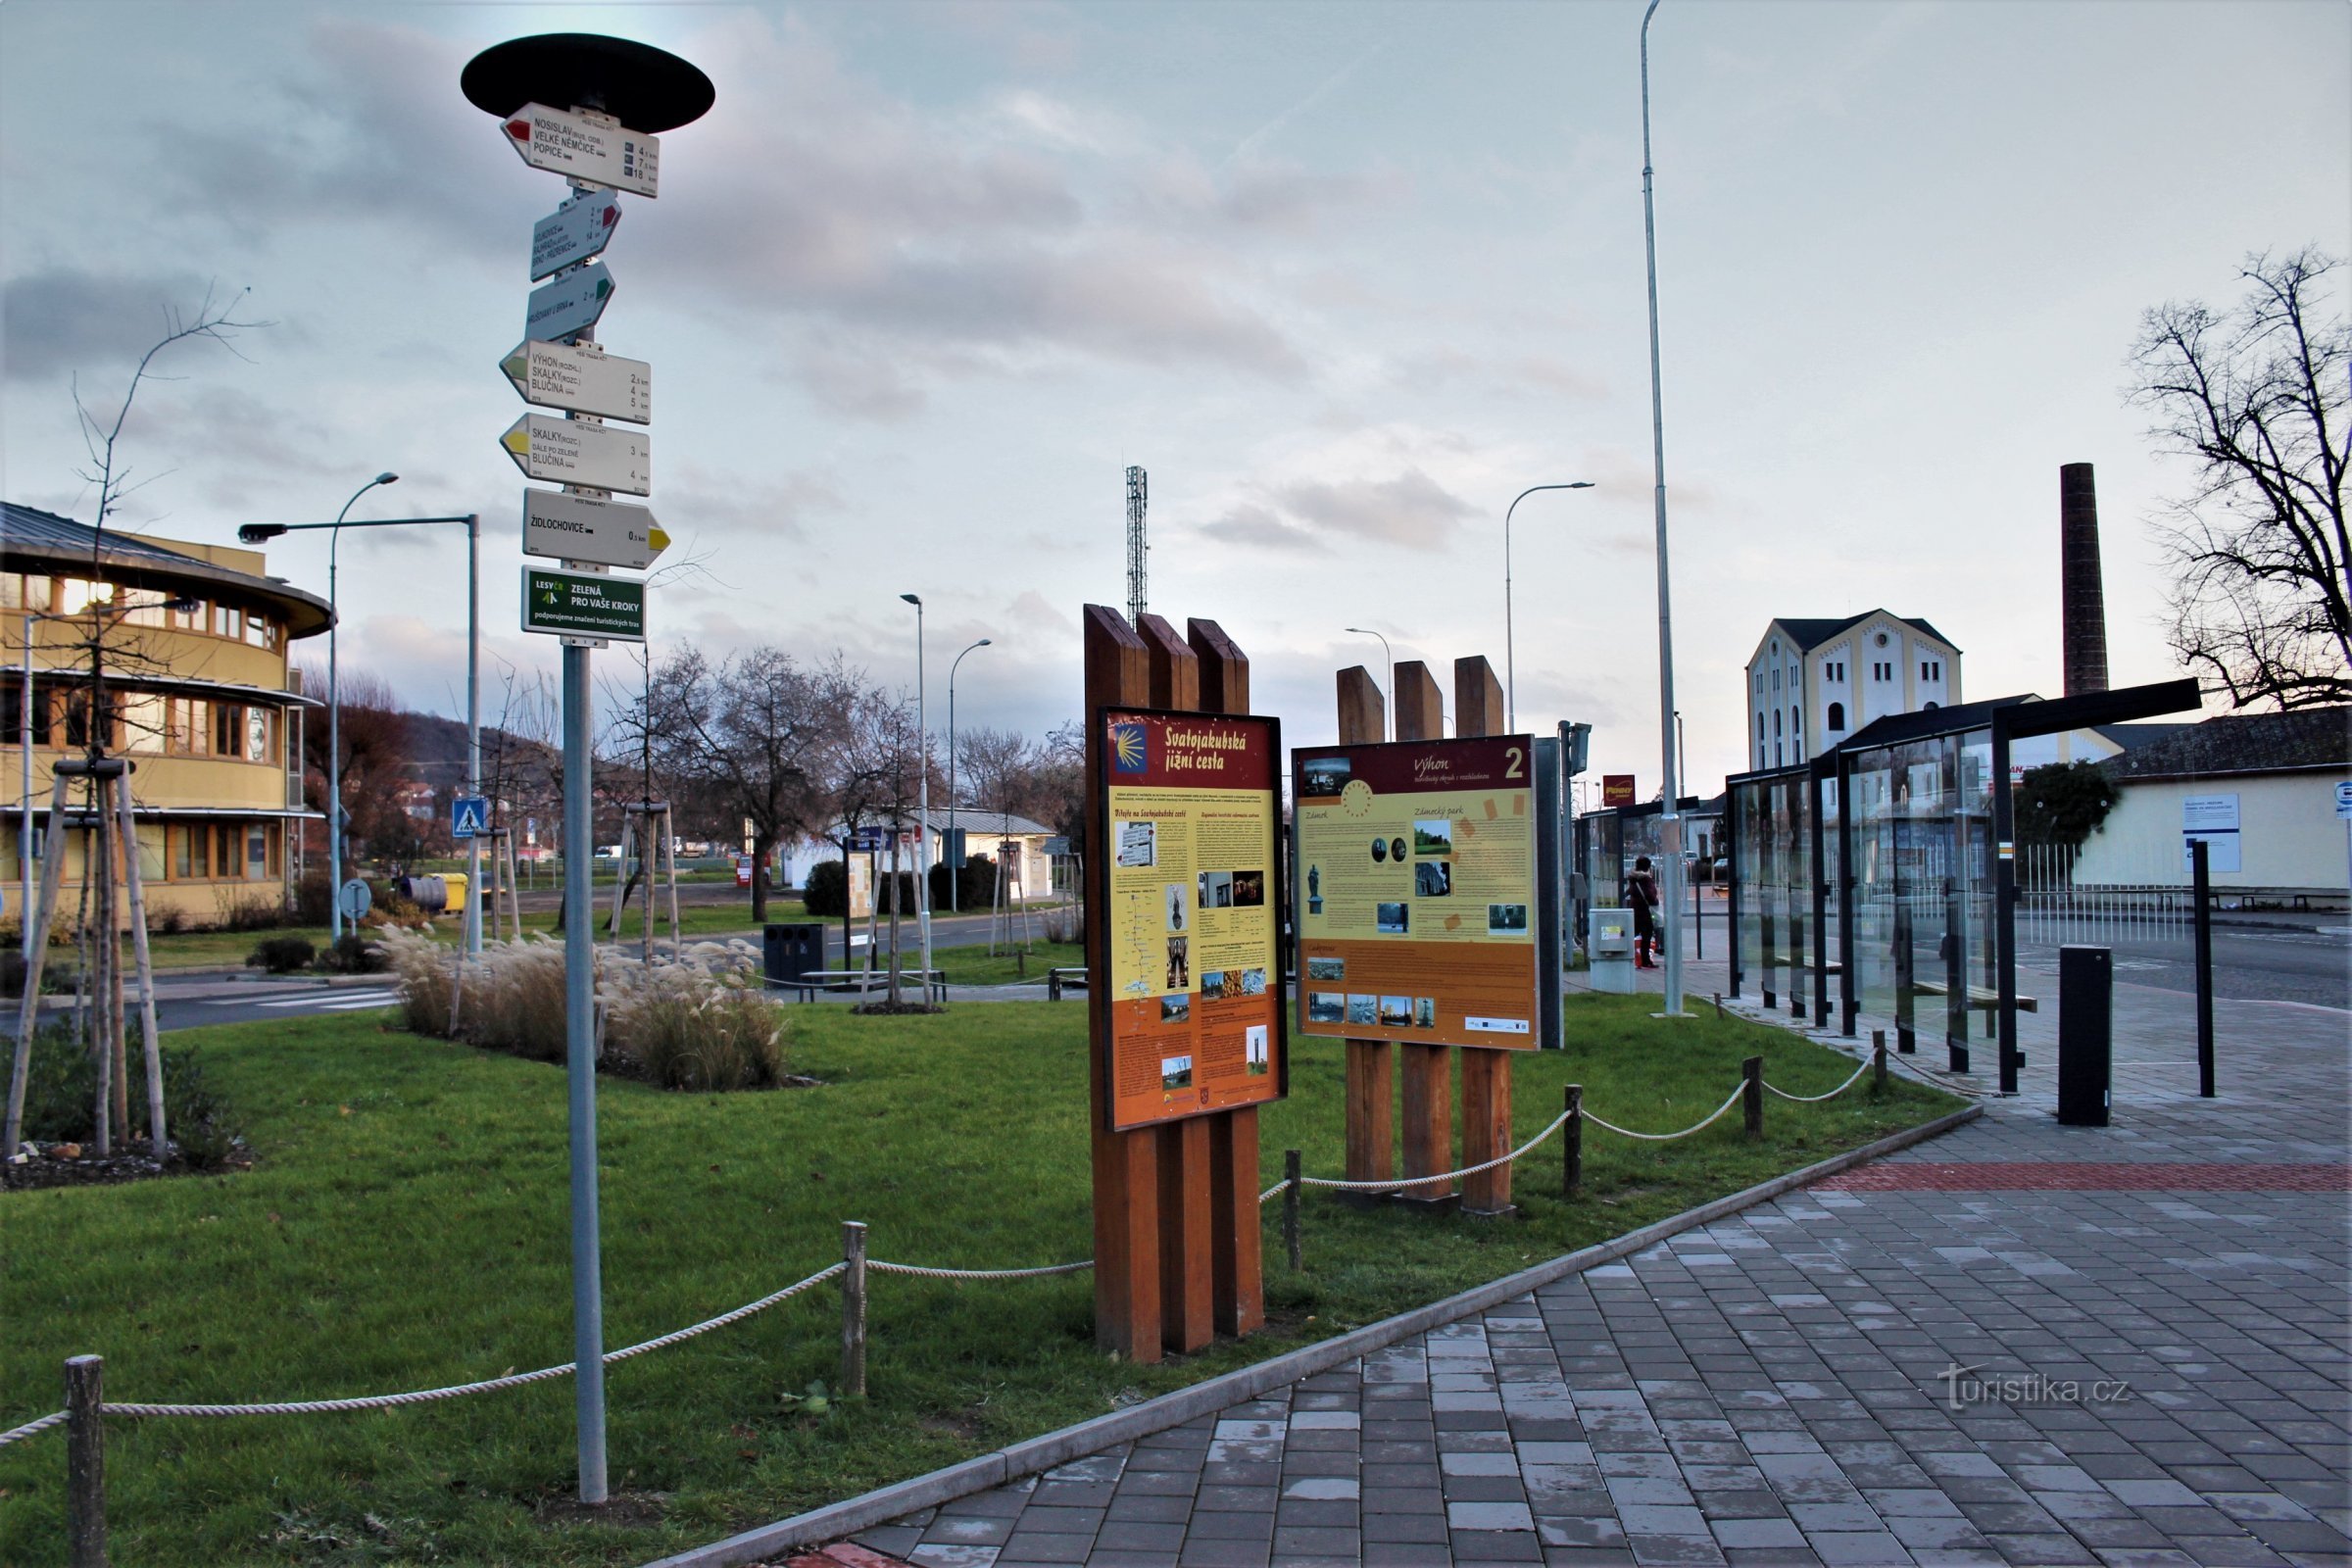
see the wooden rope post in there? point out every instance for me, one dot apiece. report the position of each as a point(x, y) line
point(1751, 1097)
point(1572, 1143)
point(1878, 1061)
point(1486, 1073)
point(853, 1309)
point(1426, 1072)
point(85, 1462)
point(1289, 1206)
point(1370, 1070)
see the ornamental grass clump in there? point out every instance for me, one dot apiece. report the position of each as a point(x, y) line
point(694, 1020)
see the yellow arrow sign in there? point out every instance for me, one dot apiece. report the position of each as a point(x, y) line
point(658, 538)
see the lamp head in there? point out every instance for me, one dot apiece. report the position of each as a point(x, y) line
point(387, 478)
point(253, 533)
point(180, 604)
point(1361, 631)
point(916, 600)
point(1581, 484)
point(985, 642)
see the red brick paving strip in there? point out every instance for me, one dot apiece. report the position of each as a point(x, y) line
point(840, 1554)
point(2086, 1176)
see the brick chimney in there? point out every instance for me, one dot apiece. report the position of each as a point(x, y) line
point(2083, 602)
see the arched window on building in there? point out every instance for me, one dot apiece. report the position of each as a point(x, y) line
point(1837, 717)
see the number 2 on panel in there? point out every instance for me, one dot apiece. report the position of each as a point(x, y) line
point(1518, 769)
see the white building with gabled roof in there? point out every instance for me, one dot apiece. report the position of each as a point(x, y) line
point(1811, 683)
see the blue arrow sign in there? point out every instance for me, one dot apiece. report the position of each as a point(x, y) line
point(468, 816)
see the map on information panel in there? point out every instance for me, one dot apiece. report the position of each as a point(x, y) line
point(1187, 889)
point(1417, 874)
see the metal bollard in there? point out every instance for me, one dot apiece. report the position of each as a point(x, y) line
point(1752, 1096)
point(1572, 1144)
point(1289, 1206)
point(85, 1463)
point(1878, 1061)
point(853, 1309)
point(1719, 1007)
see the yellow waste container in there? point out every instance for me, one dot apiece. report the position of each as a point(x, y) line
point(455, 881)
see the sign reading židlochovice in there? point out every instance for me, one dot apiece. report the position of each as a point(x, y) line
point(1189, 889)
point(1416, 890)
point(578, 604)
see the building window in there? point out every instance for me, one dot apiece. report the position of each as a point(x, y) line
point(257, 852)
point(188, 619)
point(1776, 680)
point(187, 853)
point(1837, 717)
point(1775, 723)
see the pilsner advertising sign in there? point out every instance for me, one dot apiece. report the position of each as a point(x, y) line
point(1417, 892)
point(1190, 892)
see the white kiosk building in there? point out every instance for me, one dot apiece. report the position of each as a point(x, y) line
point(1811, 683)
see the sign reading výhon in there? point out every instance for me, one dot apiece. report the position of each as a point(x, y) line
point(1417, 888)
point(1189, 888)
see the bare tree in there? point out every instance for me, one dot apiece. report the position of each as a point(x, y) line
point(2257, 397)
point(752, 730)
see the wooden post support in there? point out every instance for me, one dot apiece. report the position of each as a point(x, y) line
point(85, 1463)
point(28, 1010)
point(1426, 1071)
point(1751, 1097)
point(853, 1309)
point(1370, 1077)
point(1485, 1074)
point(136, 882)
point(1126, 1165)
point(1237, 1237)
point(1878, 1061)
point(1572, 1143)
point(1289, 1206)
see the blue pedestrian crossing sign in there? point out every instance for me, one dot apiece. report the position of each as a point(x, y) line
point(468, 816)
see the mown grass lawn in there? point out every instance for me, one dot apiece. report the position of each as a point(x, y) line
point(405, 1227)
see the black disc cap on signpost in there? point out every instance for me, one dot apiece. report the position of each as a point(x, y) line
point(647, 89)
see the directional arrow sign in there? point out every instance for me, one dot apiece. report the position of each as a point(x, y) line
point(580, 377)
point(574, 604)
point(570, 304)
point(576, 232)
point(575, 145)
point(570, 452)
point(610, 533)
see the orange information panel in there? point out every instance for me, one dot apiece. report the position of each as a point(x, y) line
point(1417, 889)
point(1188, 885)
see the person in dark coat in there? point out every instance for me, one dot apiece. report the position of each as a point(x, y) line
point(1641, 897)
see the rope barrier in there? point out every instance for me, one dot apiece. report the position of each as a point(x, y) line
point(919, 1272)
point(385, 1401)
point(1423, 1181)
point(53, 1419)
point(1814, 1099)
point(1667, 1138)
point(1272, 1192)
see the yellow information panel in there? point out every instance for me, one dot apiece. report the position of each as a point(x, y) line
point(1189, 881)
point(1417, 886)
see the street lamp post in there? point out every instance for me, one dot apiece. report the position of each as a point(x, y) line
point(255, 533)
point(1510, 662)
point(922, 809)
point(1367, 631)
point(1670, 823)
point(956, 872)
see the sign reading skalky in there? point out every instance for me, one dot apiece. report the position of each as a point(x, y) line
point(1187, 887)
point(1417, 886)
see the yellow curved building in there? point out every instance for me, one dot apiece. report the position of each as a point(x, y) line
point(201, 696)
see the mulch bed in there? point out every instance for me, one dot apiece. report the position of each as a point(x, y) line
point(51, 1166)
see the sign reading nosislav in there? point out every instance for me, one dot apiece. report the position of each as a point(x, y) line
point(574, 452)
point(580, 377)
point(610, 533)
point(602, 154)
point(571, 304)
point(576, 232)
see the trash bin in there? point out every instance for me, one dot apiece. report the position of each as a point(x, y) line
point(1609, 948)
point(458, 885)
point(789, 951)
point(2086, 1034)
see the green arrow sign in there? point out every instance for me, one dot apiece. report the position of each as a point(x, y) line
point(577, 603)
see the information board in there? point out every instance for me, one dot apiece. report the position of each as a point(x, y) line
point(1189, 888)
point(1417, 892)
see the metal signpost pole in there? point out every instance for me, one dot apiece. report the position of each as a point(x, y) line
point(1510, 657)
point(922, 809)
point(621, 95)
point(955, 872)
point(1670, 823)
point(25, 801)
point(473, 728)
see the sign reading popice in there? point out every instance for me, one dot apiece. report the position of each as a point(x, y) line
point(1189, 891)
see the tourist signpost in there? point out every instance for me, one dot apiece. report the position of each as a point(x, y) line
point(581, 378)
point(620, 96)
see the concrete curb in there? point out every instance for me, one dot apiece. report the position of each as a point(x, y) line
point(853, 1514)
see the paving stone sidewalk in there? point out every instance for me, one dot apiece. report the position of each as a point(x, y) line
point(2156, 1374)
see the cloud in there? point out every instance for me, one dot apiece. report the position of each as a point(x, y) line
point(1411, 509)
point(698, 503)
point(1251, 524)
point(1512, 374)
point(61, 319)
point(1031, 611)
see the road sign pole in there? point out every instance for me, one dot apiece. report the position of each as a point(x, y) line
point(473, 726)
point(579, 1052)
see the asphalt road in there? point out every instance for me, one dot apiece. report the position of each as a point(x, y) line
point(2249, 964)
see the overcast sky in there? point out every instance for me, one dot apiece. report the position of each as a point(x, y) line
point(1344, 279)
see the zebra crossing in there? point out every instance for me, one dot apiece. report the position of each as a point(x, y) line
point(313, 1001)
